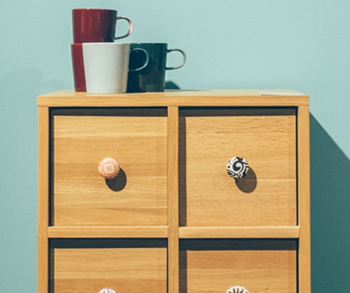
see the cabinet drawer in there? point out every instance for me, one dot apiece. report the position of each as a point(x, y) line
point(266, 138)
point(257, 265)
point(122, 265)
point(137, 139)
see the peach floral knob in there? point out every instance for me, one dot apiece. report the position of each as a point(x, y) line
point(108, 168)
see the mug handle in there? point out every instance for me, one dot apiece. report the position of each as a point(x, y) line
point(146, 62)
point(131, 27)
point(183, 60)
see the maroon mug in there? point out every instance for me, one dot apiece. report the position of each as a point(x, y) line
point(97, 25)
point(78, 67)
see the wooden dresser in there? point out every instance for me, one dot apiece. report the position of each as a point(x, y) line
point(173, 220)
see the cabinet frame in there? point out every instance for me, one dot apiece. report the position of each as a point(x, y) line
point(173, 101)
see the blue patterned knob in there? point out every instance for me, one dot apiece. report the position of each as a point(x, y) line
point(237, 167)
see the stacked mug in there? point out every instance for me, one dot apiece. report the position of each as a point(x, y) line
point(92, 26)
point(102, 66)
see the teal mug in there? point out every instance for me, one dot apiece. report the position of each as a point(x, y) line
point(152, 77)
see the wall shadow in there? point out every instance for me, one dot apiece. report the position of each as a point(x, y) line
point(330, 212)
point(170, 85)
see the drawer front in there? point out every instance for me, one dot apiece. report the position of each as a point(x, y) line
point(124, 266)
point(137, 139)
point(266, 139)
point(257, 265)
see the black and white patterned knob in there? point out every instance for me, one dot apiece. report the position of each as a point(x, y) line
point(237, 167)
point(107, 290)
point(237, 289)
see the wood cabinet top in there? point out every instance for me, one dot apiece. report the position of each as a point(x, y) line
point(69, 98)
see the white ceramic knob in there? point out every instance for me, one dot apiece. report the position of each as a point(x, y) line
point(237, 289)
point(107, 290)
point(237, 167)
point(108, 168)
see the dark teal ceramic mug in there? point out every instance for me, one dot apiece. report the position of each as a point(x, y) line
point(152, 77)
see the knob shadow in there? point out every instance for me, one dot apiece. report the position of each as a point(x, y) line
point(118, 183)
point(248, 183)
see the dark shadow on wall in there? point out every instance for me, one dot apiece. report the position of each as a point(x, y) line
point(330, 212)
point(170, 85)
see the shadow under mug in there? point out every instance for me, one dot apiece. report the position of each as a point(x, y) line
point(97, 25)
point(152, 77)
point(106, 66)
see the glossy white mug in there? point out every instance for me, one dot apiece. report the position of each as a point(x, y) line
point(106, 67)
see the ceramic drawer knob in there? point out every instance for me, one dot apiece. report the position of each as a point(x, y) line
point(237, 289)
point(107, 290)
point(237, 167)
point(108, 169)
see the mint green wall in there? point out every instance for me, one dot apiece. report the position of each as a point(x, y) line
point(299, 44)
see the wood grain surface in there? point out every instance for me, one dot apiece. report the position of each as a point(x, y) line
point(43, 199)
point(137, 196)
point(304, 199)
point(266, 138)
point(125, 269)
point(173, 200)
point(239, 232)
point(259, 266)
point(173, 220)
point(108, 232)
point(174, 98)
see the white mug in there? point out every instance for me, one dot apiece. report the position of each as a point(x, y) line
point(107, 66)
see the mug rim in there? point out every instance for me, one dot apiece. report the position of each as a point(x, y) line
point(93, 9)
point(149, 43)
point(103, 43)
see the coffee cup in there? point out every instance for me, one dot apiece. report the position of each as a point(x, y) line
point(106, 66)
point(97, 25)
point(152, 77)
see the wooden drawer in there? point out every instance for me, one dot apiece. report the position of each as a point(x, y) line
point(123, 265)
point(257, 265)
point(266, 138)
point(137, 139)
